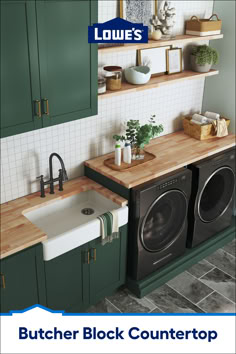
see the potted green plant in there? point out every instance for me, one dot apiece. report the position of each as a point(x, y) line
point(203, 57)
point(139, 136)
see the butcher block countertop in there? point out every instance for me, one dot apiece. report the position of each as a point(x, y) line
point(172, 151)
point(18, 233)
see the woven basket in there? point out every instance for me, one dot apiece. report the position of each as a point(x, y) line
point(203, 27)
point(200, 132)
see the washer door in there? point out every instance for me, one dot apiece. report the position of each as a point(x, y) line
point(164, 221)
point(216, 194)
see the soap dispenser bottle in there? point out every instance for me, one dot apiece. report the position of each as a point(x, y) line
point(118, 154)
point(127, 152)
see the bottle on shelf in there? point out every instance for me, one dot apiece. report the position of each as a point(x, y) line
point(117, 154)
point(127, 152)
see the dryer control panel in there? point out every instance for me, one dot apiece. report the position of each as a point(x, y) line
point(167, 184)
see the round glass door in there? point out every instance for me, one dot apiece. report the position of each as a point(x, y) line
point(164, 221)
point(216, 194)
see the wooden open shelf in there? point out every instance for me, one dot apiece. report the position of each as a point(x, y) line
point(161, 43)
point(158, 81)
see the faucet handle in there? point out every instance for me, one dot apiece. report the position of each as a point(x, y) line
point(60, 180)
point(40, 177)
point(41, 186)
point(63, 174)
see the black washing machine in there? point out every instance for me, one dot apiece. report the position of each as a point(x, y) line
point(211, 202)
point(158, 225)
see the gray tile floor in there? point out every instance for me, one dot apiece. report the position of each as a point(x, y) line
point(208, 286)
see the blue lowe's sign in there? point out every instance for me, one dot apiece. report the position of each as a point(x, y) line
point(118, 31)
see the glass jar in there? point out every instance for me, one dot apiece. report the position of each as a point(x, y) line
point(102, 87)
point(113, 77)
point(114, 81)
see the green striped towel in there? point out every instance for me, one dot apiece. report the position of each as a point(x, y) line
point(109, 226)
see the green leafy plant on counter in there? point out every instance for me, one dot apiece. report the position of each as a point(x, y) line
point(138, 135)
point(205, 55)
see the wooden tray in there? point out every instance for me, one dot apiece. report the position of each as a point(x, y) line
point(125, 166)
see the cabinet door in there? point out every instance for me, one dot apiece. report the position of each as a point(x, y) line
point(107, 266)
point(19, 286)
point(19, 68)
point(68, 63)
point(64, 276)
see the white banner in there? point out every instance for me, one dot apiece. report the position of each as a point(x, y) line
point(40, 330)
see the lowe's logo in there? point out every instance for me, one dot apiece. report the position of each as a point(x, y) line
point(118, 31)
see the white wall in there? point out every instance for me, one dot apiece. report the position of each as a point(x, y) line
point(219, 93)
point(25, 156)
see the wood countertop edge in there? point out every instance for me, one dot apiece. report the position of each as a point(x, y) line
point(174, 168)
point(22, 247)
point(15, 223)
point(107, 172)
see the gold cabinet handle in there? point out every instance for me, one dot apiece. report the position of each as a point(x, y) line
point(47, 106)
point(38, 113)
point(94, 254)
point(3, 281)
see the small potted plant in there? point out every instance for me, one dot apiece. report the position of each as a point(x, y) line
point(203, 57)
point(139, 136)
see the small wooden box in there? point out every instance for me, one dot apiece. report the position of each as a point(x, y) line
point(200, 132)
point(203, 27)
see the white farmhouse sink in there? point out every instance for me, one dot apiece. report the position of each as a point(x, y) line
point(67, 227)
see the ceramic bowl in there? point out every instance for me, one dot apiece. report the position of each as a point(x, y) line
point(138, 75)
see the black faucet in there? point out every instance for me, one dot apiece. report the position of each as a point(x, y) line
point(61, 178)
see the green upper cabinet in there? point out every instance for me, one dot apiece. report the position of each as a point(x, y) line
point(48, 68)
point(68, 63)
point(20, 88)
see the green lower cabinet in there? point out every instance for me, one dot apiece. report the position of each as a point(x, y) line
point(108, 271)
point(22, 280)
point(85, 275)
point(64, 275)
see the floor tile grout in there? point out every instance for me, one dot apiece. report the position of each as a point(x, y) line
point(219, 266)
point(181, 295)
point(113, 305)
point(213, 291)
point(225, 272)
point(225, 297)
point(214, 267)
point(150, 302)
point(227, 252)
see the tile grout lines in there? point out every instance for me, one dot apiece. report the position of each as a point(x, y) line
point(183, 295)
point(213, 267)
point(213, 290)
point(225, 272)
point(113, 305)
point(206, 297)
point(227, 251)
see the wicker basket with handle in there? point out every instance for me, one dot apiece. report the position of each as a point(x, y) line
point(200, 132)
point(203, 27)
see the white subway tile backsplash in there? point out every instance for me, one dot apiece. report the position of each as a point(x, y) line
point(25, 156)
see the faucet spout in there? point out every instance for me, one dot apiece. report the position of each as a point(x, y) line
point(62, 176)
point(64, 173)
